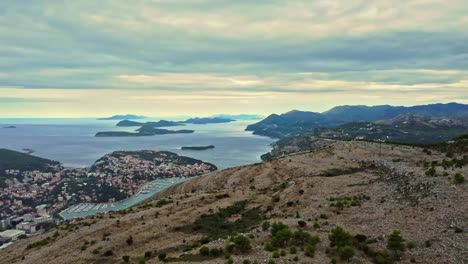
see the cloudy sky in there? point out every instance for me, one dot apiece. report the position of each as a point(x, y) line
point(62, 58)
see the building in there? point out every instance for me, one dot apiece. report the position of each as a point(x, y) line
point(12, 234)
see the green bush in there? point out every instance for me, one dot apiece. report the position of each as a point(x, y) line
point(395, 241)
point(242, 243)
point(204, 251)
point(459, 179)
point(265, 225)
point(309, 250)
point(345, 252)
point(162, 256)
point(292, 250)
point(216, 252)
point(339, 237)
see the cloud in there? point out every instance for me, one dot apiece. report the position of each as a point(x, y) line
point(370, 49)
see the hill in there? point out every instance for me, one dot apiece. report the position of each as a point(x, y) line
point(341, 201)
point(295, 122)
point(14, 160)
point(402, 129)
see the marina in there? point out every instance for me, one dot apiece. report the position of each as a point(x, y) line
point(86, 209)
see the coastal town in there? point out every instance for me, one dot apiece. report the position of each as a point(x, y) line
point(32, 199)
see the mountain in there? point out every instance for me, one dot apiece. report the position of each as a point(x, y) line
point(289, 124)
point(340, 203)
point(298, 122)
point(123, 117)
point(208, 120)
point(239, 117)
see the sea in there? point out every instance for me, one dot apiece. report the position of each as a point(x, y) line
point(72, 141)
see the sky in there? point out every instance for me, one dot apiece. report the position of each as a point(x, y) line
point(61, 58)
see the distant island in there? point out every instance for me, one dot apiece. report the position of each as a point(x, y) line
point(142, 132)
point(122, 117)
point(208, 120)
point(239, 116)
point(198, 147)
point(160, 123)
point(9, 127)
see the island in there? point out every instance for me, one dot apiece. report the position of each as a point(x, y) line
point(9, 127)
point(208, 120)
point(142, 132)
point(198, 147)
point(160, 123)
point(123, 117)
point(240, 116)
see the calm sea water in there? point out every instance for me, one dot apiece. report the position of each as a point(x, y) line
point(72, 141)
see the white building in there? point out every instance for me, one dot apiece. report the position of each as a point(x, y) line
point(12, 234)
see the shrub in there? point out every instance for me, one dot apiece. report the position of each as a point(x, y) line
point(204, 251)
point(431, 172)
point(148, 254)
point(459, 179)
point(339, 237)
point(323, 216)
point(276, 254)
point(216, 252)
point(292, 250)
point(242, 243)
point(265, 225)
point(309, 250)
point(395, 241)
point(283, 253)
point(108, 253)
point(302, 223)
point(162, 256)
point(129, 240)
point(346, 252)
point(125, 259)
point(410, 245)
point(296, 258)
point(246, 261)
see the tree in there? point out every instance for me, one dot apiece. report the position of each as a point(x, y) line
point(396, 241)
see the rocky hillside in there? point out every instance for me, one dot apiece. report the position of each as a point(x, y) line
point(346, 202)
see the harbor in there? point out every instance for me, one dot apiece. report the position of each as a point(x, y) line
point(82, 210)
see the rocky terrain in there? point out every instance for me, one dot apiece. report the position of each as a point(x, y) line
point(368, 189)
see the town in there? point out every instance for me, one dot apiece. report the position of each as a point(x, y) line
point(31, 200)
